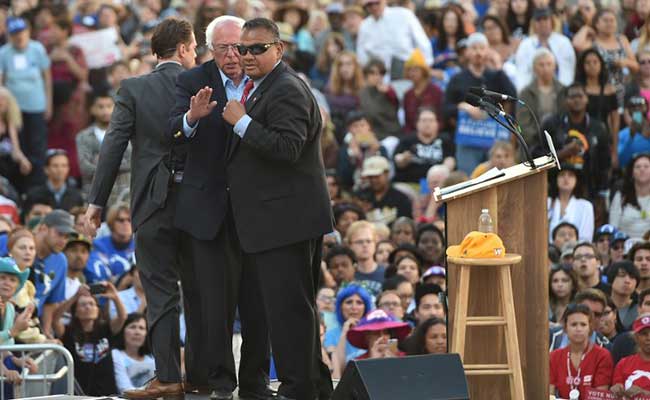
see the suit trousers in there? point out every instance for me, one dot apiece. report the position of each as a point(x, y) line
point(278, 296)
point(159, 261)
point(215, 269)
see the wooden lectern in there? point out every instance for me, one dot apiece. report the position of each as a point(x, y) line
point(516, 199)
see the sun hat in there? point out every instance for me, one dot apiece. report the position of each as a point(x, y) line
point(377, 320)
point(8, 266)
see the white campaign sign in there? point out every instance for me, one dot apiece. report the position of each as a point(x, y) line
point(99, 47)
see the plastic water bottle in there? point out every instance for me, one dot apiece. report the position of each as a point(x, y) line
point(485, 222)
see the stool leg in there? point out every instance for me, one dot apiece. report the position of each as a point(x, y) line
point(512, 343)
point(460, 313)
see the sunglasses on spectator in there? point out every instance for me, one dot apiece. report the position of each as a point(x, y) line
point(255, 49)
point(390, 304)
point(583, 257)
point(619, 246)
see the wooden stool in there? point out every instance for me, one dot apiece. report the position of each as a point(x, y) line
point(508, 320)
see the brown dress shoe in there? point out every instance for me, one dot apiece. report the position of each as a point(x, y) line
point(156, 389)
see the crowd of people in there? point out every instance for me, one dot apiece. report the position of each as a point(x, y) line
point(390, 79)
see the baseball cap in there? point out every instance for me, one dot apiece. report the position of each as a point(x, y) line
point(15, 25)
point(567, 250)
point(436, 270)
point(375, 165)
point(641, 323)
point(542, 12)
point(607, 229)
point(76, 237)
point(354, 10)
point(334, 8)
point(476, 38)
point(478, 245)
point(620, 236)
point(60, 220)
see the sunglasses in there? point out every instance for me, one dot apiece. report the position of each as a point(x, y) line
point(255, 49)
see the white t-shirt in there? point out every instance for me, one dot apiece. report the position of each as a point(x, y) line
point(130, 373)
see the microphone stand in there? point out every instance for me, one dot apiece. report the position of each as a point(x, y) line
point(514, 128)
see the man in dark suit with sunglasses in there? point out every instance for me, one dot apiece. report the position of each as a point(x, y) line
point(281, 210)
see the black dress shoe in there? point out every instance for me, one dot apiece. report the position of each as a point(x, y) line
point(264, 394)
point(221, 395)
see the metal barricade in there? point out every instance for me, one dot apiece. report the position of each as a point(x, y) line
point(45, 350)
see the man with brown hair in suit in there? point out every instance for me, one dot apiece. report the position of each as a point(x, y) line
point(142, 107)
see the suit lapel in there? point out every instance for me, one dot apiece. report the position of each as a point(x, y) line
point(253, 100)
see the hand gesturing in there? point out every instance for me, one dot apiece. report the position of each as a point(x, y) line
point(200, 105)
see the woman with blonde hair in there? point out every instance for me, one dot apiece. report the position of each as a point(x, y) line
point(342, 91)
point(333, 45)
point(502, 155)
point(11, 121)
point(642, 42)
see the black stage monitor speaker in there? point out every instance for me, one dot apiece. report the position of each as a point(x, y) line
point(429, 377)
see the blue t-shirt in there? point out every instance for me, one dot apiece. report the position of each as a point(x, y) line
point(106, 262)
point(332, 339)
point(50, 285)
point(4, 237)
point(373, 281)
point(22, 72)
point(629, 147)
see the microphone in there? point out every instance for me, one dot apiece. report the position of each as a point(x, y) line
point(488, 107)
point(483, 92)
point(495, 112)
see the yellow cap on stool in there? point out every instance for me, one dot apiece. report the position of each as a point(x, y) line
point(478, 245)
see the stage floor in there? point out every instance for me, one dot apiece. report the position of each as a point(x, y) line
point(187, 396)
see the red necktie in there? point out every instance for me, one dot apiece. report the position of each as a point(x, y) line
point(247, 89)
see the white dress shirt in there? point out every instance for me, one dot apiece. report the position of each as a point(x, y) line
point(395, 34)
point(579, 212)
point(559, 45)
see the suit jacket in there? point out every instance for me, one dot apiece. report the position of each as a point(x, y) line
point(88, 153)
point(276, 177)
point(202, 197)
point(141, 111)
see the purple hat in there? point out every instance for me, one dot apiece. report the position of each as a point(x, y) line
point(377, 320)
point(436, 270)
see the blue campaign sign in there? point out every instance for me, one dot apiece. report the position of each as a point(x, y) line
point(478, 133)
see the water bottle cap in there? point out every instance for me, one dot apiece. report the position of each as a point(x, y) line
point(485, 210)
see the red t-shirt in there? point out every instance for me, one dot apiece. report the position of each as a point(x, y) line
point(595, 370)
point(632, 371)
